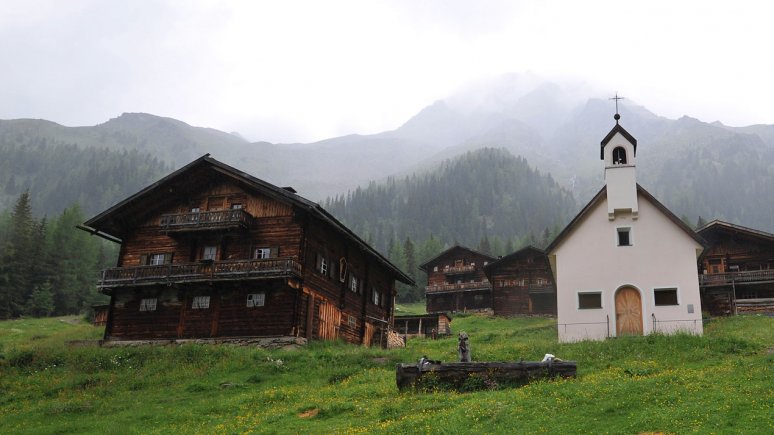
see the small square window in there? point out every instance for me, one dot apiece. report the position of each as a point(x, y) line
point(435, 269)
point(195, 209)
point(157, 259)
point(200, 302)
point(351, 321)
point(665, 296)
point(256, 299)
point(589, 301)
point(236, 206)
point(148, 304)
point(261, 253)
point(210, 252)
point(624, 237)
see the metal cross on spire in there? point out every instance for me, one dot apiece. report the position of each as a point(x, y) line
point(616, 98)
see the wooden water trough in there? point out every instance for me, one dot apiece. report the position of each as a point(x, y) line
point(466, 376)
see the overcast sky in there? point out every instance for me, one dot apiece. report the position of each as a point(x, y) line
point(286, 71)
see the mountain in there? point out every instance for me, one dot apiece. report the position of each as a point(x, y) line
point(695, 168)
point(482, 194)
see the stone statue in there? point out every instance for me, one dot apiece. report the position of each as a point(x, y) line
point(463, 347)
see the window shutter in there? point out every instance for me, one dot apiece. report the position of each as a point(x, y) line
point(168, 258)
point(143, 260)
point(318, 262)
point(274, 252)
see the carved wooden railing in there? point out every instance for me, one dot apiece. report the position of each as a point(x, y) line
point(736, 277)
point(206, 219)
point(459, 269)
point(203, 271)
point(479, 285)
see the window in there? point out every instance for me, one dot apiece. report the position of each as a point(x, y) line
point(342, 269)
point(665, 296)
point(256, 299)
point(376, 297)
point(210, 253)
point(478, 299)
point(200, 302)
point(260, 253)
point(195, 209)
point(435, 269)
point(624, 237)
point(351, 321)
point(157, 259)
point(323, 266)
point(148, 304)
point(619, 156)
point(353, 283)
point(236, 206)
point(589, 300)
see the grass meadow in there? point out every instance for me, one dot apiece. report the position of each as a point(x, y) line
point(722, 382)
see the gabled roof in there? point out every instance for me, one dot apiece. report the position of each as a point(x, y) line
point(424, 265)
point(718, 225)
point(512, 255)
point(602, 194)
point(112, 221)
point(617, 129)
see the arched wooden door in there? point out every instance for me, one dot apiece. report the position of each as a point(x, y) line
point(628, 312)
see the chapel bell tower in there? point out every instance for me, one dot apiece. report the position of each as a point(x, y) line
point(619, 149)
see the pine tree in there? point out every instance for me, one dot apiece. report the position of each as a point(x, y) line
point(17, 260)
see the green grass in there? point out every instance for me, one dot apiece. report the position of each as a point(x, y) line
point(722, 382)
point(412, 308)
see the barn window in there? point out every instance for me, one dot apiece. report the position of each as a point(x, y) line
point(624, 236)
point(148, 304)
point(256, 299)
point(351, 321)
point(261, 253)
point(210, 253)
point(619, 156)
point(195, 209)
point(200, 302)
point(665, 296)
point(353, 283)
point(589, 300)
point(435, 269)
point(236, 206)
point(376, 297)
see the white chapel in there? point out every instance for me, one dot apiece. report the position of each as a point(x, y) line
point(625, 265)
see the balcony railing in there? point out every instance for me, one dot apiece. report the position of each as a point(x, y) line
point(203, 271)
point(450, 270)
point(750, 277)
point(206, 220)
point(464, 286)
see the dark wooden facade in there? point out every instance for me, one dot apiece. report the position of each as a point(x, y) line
point(522, 283)
point(736, 271)
point(210, 251)
point(456, 281)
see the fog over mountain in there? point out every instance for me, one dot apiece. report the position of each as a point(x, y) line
point(695, 168)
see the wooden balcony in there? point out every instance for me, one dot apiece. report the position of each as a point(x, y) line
point(206, 220)
point(751, 277)
point(454, 270)
point(202, 271)
point(541, 289)
point(465, 286)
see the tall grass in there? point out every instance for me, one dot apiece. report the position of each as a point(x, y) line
point(719, 383)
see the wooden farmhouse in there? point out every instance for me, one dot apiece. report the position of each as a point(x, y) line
point(736, 271)
point(456, 281)
point(522, 283)
point(625, 265)
point(210, 251)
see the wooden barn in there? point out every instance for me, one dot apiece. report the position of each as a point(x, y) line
point(522, 283)
point(456, 281)
point(736, 271)
point(212, 252)
point(423, 325)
